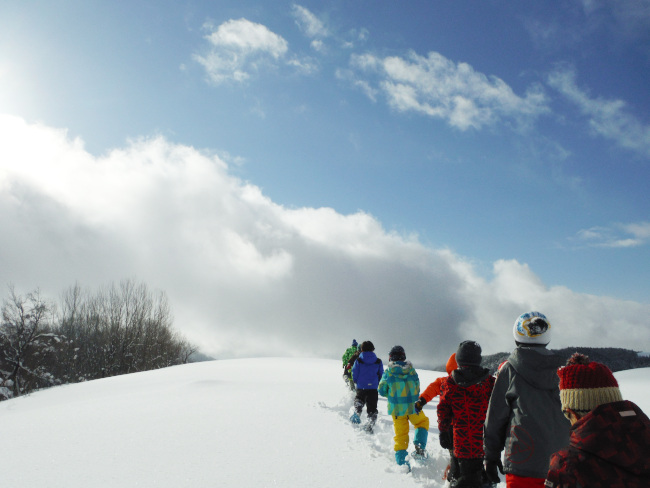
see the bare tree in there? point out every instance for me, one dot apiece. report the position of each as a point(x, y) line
point(119, 329)
point(27, 342)
point(186, 351)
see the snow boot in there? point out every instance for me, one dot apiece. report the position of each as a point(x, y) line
point(420, 443)
point(486, 482)
point(355, 419)
point(400, 458)
point(420, 438)
point(372, 419)
point(454, 469)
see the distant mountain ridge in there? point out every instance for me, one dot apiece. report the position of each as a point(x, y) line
point(616, 359)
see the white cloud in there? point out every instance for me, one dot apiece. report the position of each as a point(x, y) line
point(607, 118)
point(242, 272)
point(619, 236)
point(239, 47)
point(348, 76)
point(640, 230)
point(317, 45)
point(305, 65)
point(311, 25)
point(246, 36)
point(455, 92)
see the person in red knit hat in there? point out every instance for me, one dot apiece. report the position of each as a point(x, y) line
point(610, 438)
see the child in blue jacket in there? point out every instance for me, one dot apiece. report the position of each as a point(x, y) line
point(400, 384)
point(366, 373)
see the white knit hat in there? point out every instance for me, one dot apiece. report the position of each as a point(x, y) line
point(532, 328)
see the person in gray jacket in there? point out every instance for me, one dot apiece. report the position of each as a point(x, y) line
point(524, 416)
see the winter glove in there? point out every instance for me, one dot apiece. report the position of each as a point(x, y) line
point(446, 440)
point(491, 470)
point(419, 405)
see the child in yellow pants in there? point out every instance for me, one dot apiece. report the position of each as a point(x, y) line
point(401, 424)
point(400, 385)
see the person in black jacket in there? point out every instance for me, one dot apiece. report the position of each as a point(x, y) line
point(524, 416)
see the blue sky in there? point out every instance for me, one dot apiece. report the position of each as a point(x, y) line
point(506, 136)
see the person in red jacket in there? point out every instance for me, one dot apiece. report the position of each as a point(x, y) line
point(609, 444)
point(464, 399)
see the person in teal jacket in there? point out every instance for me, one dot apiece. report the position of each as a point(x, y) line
point(400, 385)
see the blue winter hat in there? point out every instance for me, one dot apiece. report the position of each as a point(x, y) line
point(354, 343)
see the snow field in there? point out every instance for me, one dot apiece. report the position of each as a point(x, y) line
point(233, 423)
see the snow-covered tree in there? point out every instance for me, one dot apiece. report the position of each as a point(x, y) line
point(117, 330)
point(27, 343)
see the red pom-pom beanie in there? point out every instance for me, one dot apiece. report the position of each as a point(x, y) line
point(584, 385)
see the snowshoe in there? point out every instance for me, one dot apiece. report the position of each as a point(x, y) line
point(420, 454)
point(368, 428)
point(355, 419)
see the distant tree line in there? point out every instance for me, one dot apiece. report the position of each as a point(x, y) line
point(116, 330)
point(616, 359)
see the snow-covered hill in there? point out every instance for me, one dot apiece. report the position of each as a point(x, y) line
point(235, 423)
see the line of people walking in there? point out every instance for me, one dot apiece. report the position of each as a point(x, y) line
point(535, 421)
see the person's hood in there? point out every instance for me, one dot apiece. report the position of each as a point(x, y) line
point(451, 363)
point(368, 357)
point(469, 376)
point(618, 433)
point(537, 365)
point(400, 368)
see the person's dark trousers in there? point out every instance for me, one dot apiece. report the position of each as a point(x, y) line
point(470, 473)
point(454, 470)
point(369, 398)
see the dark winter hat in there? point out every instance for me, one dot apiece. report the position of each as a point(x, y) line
point(367, 346)
point(397, 353)
point(586, 384)
point(354, 343)
point(532, 328)
point(469, 354)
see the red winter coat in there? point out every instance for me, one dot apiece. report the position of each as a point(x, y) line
point(464, 399)
point(609, 447)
